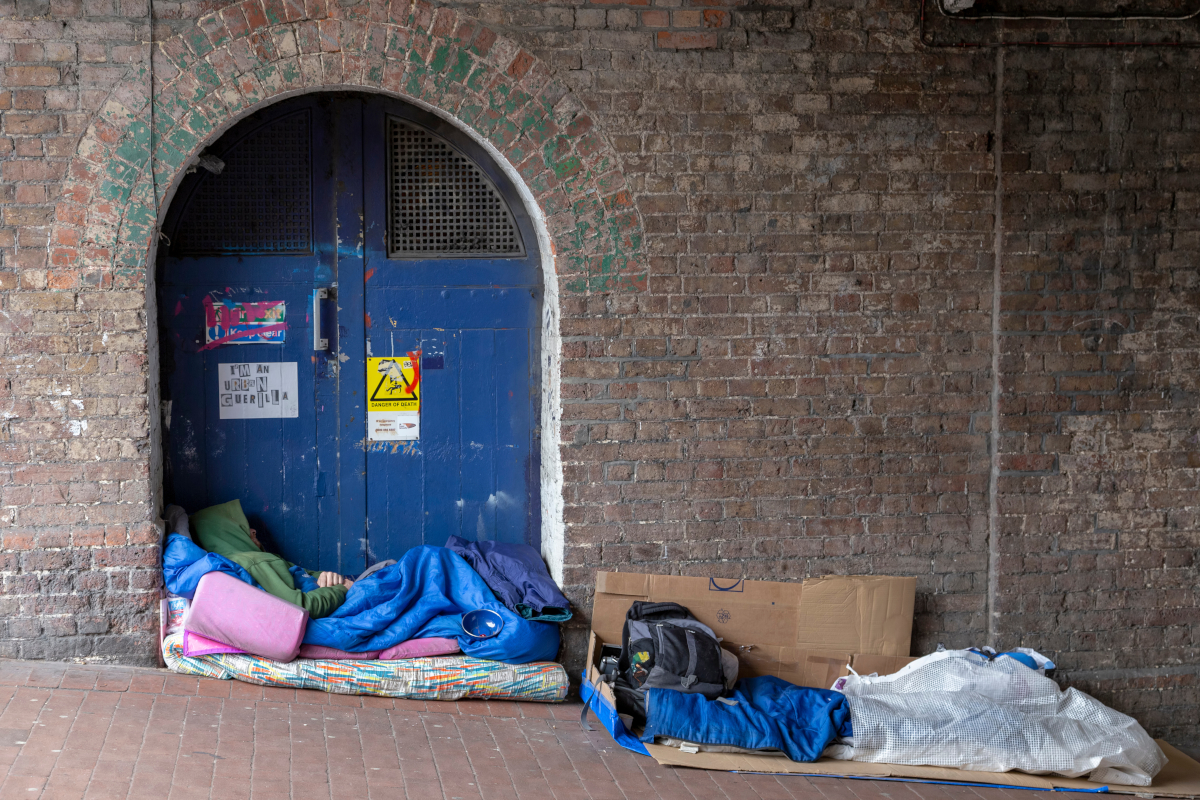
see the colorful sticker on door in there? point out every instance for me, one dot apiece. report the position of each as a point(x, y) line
point(255, 390)
point(229, 322)
point(394, 398)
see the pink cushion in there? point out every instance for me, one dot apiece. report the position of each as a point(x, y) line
point(226, 610)
point(321, 651)
point(196, 645)
point(417, 648)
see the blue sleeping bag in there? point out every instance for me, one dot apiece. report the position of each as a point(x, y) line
point(762, 713)
point(425, 595)
point(185, 563)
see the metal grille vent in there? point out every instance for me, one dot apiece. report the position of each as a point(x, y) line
point(261, 202)
point(441, 204)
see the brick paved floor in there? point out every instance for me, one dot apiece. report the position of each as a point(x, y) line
point(115, 732)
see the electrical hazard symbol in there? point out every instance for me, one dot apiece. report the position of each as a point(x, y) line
point(394, 397)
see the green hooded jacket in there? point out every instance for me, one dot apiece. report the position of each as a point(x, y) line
point(223, 530)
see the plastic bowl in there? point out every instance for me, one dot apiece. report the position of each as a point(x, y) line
point(482, 623)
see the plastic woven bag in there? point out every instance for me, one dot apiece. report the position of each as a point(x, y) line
point(957, 708)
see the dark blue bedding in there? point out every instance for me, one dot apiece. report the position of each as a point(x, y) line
point(424, 595)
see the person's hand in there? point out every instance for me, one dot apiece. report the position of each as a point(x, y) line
point(329, 579)
point(347, 582)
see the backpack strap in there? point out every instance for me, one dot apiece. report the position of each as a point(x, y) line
point(645, 610)
point(690, 678)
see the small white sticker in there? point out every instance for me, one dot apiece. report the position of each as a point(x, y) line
point(393, 426)
point(258, 390)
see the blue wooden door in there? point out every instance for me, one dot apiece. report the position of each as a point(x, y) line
point(475, 318)
point(301, 214)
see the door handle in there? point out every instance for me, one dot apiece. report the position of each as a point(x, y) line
point(319, 342)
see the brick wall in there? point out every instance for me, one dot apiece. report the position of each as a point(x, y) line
point(1100, 444)
point(803, 383)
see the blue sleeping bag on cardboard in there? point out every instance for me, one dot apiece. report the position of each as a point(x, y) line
point(765, 713)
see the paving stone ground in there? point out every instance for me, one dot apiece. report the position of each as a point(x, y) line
point(117, 732)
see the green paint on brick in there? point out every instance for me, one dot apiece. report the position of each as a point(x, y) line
point(135, 147)
point(183, 139)
point(115, 191)
point(469, 112)
point(290, 71)
point(121, 172)
point(269, 78)
point(220, 40)
point(207, 77)
point(198, 41)
point(517, 99)
point(199, 123)
point(504, 132)
point(440, 57)
point(434, 89)
point(478, 79)
point(134, 232)
point(518, 153)
point(461, 68)
point(566, 167)
point(181, 62)
point(416, 76)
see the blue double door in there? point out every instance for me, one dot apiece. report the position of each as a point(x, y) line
point(310, 206)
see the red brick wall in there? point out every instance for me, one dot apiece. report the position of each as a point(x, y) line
point(803, 383)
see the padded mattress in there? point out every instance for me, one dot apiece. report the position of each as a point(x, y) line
point(437, 678)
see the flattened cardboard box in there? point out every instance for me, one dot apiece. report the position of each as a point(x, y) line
point(805, 633)
point(808, 634)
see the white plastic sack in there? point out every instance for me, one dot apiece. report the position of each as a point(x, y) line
point(957, 709)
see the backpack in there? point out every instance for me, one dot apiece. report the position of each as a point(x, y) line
point(664, 647)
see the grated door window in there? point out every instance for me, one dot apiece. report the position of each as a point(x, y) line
point(261, 202)
point(440, 203)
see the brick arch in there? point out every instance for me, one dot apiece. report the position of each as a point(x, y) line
point(256, 51)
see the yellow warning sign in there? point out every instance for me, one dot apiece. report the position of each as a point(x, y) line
point(394, 398)
point(394, 383)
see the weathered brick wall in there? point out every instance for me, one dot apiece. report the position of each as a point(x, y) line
point(804, 384)
point(79, 550)
point(1100, 449)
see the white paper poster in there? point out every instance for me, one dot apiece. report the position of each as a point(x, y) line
point(257, 390)
point(393, 426)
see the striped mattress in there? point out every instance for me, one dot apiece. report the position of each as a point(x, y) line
point(437, 678)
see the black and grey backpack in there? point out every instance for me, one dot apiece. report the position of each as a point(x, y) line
point(664, 647)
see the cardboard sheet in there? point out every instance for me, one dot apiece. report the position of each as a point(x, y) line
point(1180, 778)
point(806, 633)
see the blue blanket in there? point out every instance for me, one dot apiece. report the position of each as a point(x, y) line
point(762, 713)
point(424, 595)
point(185, 563)
point(518, 576)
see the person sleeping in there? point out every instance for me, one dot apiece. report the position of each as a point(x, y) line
point(224, 530)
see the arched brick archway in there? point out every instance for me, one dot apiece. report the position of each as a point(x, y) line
point(253, 53)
